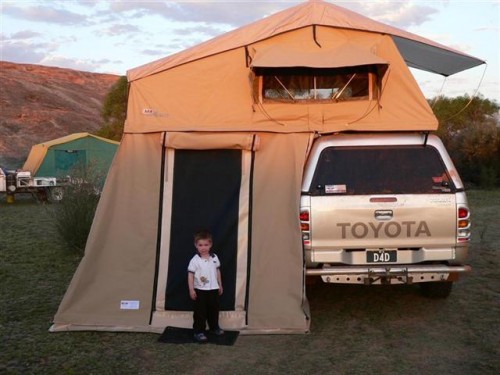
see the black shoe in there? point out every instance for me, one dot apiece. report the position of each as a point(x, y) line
point(218, 332)
point(200, 337)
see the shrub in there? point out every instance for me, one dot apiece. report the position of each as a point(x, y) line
point(73, 216)
point(488, 177)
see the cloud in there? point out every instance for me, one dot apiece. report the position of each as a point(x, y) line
point(47, 14)
point(118, 29)
point(210, 31)
point(23, 51)
point(28, 52)
point(396, 13)
point(152, 52)
point(162, 50)
point(77, 64)
point(25, 34)
point(88, 3)
point(229, 13)
point(222, 12)
point(174, 45)
point(494, 29)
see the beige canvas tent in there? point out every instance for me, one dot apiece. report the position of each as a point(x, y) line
point(216, 137)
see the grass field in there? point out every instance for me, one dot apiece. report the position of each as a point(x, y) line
point(354, 329)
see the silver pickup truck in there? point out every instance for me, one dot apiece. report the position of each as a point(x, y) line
point(384, 208)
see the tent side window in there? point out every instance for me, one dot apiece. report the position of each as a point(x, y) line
point(306, 85)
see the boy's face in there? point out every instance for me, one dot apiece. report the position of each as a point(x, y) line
point(203, 246)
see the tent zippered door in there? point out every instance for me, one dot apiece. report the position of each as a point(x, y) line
point(204, 189)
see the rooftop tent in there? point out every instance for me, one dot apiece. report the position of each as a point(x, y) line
point(213, 139)
point(60, 157)
point(314, 28)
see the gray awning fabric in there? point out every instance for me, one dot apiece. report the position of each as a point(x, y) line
point(433, 59)
point(347, 55)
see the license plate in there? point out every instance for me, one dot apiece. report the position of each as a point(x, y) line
point(387, 256)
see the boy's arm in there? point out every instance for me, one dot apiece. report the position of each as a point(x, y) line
point(192, 292)
point(219, 280)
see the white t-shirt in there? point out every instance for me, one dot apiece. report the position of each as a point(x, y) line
point(205, 272)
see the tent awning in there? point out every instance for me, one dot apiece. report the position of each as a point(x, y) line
point(347, 55)
point(433, 59)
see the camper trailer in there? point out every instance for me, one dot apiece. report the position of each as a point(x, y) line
point(22, 182)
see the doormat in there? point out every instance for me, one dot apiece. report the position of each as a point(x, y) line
point(176, 335)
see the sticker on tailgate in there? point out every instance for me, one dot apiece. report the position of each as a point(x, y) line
point(335, 189)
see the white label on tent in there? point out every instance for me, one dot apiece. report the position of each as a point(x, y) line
point(154, 113)
point(335, 189)
point(129, 305)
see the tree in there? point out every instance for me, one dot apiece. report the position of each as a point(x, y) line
point(114, 110)
point(470, 130)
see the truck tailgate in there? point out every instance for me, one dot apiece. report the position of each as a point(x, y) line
point(383, 222)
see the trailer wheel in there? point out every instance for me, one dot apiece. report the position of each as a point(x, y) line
point(41, 195)
point(56, 194)
point(436, 289)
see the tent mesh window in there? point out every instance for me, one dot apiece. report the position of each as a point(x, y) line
point(306, 85)
point(381, 170)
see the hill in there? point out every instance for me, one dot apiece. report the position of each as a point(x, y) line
point(40, 103)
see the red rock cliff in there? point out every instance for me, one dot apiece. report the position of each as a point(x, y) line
point(40, 103)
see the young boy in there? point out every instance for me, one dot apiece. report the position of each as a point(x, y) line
point(205, 287)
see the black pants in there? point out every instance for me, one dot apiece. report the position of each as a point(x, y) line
point(206, 308)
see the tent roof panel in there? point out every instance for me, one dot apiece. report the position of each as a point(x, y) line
point(72, 137)
point(417, 51)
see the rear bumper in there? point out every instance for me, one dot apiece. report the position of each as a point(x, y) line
point(388, 274)
point(452, 254)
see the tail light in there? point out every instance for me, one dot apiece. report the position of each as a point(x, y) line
point(463, 224)
point(463, 212)
point(305, 227)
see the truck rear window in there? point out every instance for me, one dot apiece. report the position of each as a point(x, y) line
point(380, 170)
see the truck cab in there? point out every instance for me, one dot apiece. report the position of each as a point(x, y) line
point(384, 208)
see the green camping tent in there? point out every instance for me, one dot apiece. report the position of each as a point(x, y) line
point(63, 156)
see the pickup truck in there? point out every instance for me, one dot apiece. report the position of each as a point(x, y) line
point(384, 208)
point(43, 188)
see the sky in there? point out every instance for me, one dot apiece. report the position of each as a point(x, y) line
point(115, 36)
